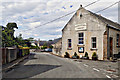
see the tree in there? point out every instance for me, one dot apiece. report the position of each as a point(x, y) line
point(50, 40)
point(20, 40)
point(10, 29)
point(31, 39)
point(51, 46)
point(8, 38)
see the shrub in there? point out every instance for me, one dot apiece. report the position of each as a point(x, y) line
point(75, 56)
point(94, 56)
point(67, 55)
point(34, 47)
point(86, 55)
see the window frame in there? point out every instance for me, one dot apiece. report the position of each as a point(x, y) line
point(118, 40)
point(81, 38)
point(94, 42)
point(69, 42)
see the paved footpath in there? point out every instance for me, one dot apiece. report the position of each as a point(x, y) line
point(45, 65)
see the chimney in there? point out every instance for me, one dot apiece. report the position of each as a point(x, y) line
point(81, 6)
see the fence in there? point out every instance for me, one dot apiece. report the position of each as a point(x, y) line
point(10, 54)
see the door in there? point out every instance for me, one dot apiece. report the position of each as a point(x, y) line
point(111, 47)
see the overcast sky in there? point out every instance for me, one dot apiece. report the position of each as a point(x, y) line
point(29, 14)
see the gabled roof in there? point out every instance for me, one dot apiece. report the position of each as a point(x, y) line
point(106, 21)
point(103, 19)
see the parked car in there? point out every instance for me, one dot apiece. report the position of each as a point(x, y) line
point(48, 50)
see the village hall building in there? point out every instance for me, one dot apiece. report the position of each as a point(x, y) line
point(89, 32)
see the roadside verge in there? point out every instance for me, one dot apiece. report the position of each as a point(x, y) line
point(12, 64)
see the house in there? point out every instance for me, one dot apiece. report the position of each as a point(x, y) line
point(89, 32)
point(57, 46)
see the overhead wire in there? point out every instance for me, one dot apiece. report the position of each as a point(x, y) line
point(61, 16)
point(107, 7)
point(73, 12)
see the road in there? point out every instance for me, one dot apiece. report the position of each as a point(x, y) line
point(45, 65)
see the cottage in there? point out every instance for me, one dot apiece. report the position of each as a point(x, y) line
point(89, 32)
point(57, 46)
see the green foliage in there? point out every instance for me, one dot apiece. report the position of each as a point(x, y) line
point(50, 40)
point(34, 47)
point(94, 56)
point(67, 55)
point(11, 26)
point(25, 52)
point(44, 47)
point(86, 55)
point(51, 46)
point(45, 44)
point(20, 40)
point(30, 39)
point(75, 56)
point(8, 38)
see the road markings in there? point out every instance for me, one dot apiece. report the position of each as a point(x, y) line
point(103, 73)
point(85, 65)
point(109, 72)
point(96, 69)
point(115, 76)
point(108, 76)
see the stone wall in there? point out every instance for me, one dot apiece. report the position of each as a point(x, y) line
point(94, 28)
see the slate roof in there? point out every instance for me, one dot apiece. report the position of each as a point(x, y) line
point(106, 21)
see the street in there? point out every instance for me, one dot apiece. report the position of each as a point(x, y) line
point(45, 65)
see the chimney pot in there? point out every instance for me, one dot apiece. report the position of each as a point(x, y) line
point(80, 5)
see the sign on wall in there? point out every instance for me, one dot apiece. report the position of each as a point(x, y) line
point(81, 49)
point(82, 26)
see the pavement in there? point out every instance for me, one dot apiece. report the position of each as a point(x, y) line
point(6, 67)
point(45, 65)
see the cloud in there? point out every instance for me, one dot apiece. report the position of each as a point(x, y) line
point(34, 13)
point(32, 25)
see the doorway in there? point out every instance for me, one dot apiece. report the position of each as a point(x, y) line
point(111, 47)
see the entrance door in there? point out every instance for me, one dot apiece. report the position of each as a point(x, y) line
point(111, 47)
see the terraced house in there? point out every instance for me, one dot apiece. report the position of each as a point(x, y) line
point(89, 32)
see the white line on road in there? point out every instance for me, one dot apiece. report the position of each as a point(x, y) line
point(85, 65)
point(115, 76)
point(108, 76)
point(103, 73)
point(109, 72)
point(96, 69)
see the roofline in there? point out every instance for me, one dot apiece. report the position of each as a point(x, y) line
point(110, 26)
point(96, 15)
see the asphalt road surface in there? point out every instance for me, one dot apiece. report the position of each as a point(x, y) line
point(45, 65)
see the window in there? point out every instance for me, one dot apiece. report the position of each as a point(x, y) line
point(93, 42)
point(69, 43)
point(80, 38)
point(118, 40)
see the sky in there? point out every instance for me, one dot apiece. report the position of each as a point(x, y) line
point(29, 14)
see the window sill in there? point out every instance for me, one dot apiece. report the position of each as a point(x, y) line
point(80, 45)
point(93, 49)
point(118, 46)
point(69, 48)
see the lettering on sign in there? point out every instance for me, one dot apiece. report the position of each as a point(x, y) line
point(81, 26)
